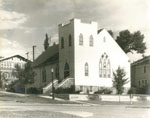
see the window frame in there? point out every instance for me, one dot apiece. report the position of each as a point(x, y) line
point(70, 41)
point(81, 39)
point(104, 66)
point(62, 42)
point(66, 70)
point(91, 41)
point(86, 69)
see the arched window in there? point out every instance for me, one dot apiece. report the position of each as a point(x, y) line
point(57, 71)
point(104, 39)
point(86, 69)
point(100, 68)
point(104, 66)
point(62, 42)
point(91, 41)
point(70, 40)
point(44, 75)
point(108, 68)
point(80, 39)
point(66, 70)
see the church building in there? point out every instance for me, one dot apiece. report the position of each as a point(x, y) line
point(85, 57)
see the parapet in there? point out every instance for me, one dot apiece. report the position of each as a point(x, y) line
point(75, 20)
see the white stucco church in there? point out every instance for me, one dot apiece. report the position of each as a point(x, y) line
point(85, 57)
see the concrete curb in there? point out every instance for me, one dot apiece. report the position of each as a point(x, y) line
point(18, 94)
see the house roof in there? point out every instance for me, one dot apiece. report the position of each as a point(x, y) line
point(145, 59)
point(48, 56)
point(18, 56)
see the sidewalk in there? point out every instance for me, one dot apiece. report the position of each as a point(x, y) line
point(28, 98)
point(17, 94)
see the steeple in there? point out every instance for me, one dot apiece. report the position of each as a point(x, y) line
point(46, 43)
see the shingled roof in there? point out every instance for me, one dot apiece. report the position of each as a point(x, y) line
point(48, 56)
point(145, 59)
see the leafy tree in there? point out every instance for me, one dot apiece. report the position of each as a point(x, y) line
point(130, 42)
point(24, 75)
point(3, 80)
point(46, 44)
point(111, 33)
point(1, 84)
point(119, 80)
point(28, 73)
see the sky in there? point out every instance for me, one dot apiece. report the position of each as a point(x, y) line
point(24, 23)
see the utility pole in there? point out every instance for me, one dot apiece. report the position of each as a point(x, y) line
point(33, 51)
point(27, 55)
point(53, 88)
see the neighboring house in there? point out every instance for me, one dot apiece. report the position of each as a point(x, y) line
point(7, 66)
point(84, 57)
point(140, 73)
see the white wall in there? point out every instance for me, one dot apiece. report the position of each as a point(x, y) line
point(92, 55)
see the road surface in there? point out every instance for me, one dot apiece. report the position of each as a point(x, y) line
point(10, 108)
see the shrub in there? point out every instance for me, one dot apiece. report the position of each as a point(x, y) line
point(143, 90)
point(132, 90)
point(104, 91)
point(33, 90)
point(16, 86)
point(99, 92)
point(93, 97)
point(69, 90)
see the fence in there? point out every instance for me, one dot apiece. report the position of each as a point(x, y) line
point(132, 97)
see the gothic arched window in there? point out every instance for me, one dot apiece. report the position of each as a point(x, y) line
point(86, 69)
point(62, 42)
point(104, 66)
point(108, 68)
point(70, 40)
point(66, 70)
point(80, 39)
point(91, 43)
point(100, 68)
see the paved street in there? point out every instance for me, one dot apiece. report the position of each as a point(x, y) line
point(10, 108)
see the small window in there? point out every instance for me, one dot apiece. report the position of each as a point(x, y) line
point(86, 69)
point(104, 40)
point(81, 88)
point(144, 69)
point(62, 42)
point(70, 40)
point(44, 75)
point(145, 82)
point(91, 88)
point(91, 40)
point(80, 39)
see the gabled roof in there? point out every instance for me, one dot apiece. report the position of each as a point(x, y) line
point(140, 61)
point(17, 56)
point(50, 55)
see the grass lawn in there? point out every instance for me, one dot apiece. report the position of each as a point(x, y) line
point(34, 114)
point(30, 99)
point(97, 102)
